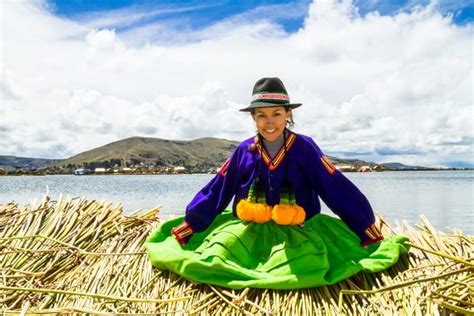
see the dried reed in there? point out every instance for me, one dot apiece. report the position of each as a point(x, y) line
point(75, 255)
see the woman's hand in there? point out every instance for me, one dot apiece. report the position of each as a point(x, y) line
point(370, 242)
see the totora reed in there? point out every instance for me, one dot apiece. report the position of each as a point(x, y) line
point(82, 256)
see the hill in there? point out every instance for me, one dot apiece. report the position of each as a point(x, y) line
point(156, 152)
point(12, 162)
point(397, 165)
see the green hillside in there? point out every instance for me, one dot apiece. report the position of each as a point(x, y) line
point(12, 162)
point(156, 152)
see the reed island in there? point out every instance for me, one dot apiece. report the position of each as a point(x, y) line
point(76, 255)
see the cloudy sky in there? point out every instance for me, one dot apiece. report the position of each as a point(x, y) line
point(379, 80)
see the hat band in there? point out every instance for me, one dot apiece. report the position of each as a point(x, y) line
point(271, 97)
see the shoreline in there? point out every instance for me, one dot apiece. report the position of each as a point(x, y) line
point(16, 174)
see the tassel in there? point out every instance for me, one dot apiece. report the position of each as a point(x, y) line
point(299, 216)
point(254, 212)
point(244, 211)
point(284, 214)
point(262, 213)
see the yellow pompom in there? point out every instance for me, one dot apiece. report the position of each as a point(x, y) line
point(263, 213)
point(299, 215)
point(253, 212)
point(244, 210)
point(282, 214)
point(268, 213)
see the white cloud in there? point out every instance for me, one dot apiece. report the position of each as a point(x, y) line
point(385, 88)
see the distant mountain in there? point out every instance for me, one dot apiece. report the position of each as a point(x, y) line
point(11, 162)
point(397, 165)
point(157, 152)
point(353, 162)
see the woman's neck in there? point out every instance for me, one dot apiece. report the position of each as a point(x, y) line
point(278, 140)
point(274, 145)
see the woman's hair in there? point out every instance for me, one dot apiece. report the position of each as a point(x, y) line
point(289, 122)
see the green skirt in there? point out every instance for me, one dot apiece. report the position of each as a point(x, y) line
point(236, 254)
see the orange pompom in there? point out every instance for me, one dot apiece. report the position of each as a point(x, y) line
point(263, 213)
point(253, 212)
point(299, 215)
point(268, 213)
point(282, 214)
point(244, 210)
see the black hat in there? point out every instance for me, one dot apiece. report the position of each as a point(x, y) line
point(269, 92)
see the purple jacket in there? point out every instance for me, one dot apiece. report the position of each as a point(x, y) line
point(303, 165)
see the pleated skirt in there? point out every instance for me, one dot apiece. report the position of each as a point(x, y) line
point(236, 254)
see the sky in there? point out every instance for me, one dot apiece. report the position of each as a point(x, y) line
point(382, 81)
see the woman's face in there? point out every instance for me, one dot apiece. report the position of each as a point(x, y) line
point(271, 121)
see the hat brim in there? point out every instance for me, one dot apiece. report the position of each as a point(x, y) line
point(257, 105)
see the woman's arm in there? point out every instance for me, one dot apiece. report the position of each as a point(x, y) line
point(210, 201)
point(342, 196)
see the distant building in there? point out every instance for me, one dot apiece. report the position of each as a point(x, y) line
point(345, 167)
point(179, 170)
point(99, 170)
point(365, 169)
point(82, 171)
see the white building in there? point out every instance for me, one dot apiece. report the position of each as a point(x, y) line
point(179, 170)
point(99, 170)
point(345, 167)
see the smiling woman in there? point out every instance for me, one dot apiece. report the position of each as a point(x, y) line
point(271, 122)
point(275, 236)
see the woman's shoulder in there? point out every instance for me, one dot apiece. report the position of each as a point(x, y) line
point(244, 145)
point(307, 144)
point(304, 139)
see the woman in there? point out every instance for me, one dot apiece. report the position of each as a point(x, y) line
point(274, 237)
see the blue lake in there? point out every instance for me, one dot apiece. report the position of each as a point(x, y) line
point(445, 197)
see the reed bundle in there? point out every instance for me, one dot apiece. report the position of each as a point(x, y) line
point(76, 255)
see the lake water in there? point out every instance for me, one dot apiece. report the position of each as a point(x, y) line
point(445, 197)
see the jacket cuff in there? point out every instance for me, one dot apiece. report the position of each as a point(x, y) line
point(182, 232)
point(371, 235)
